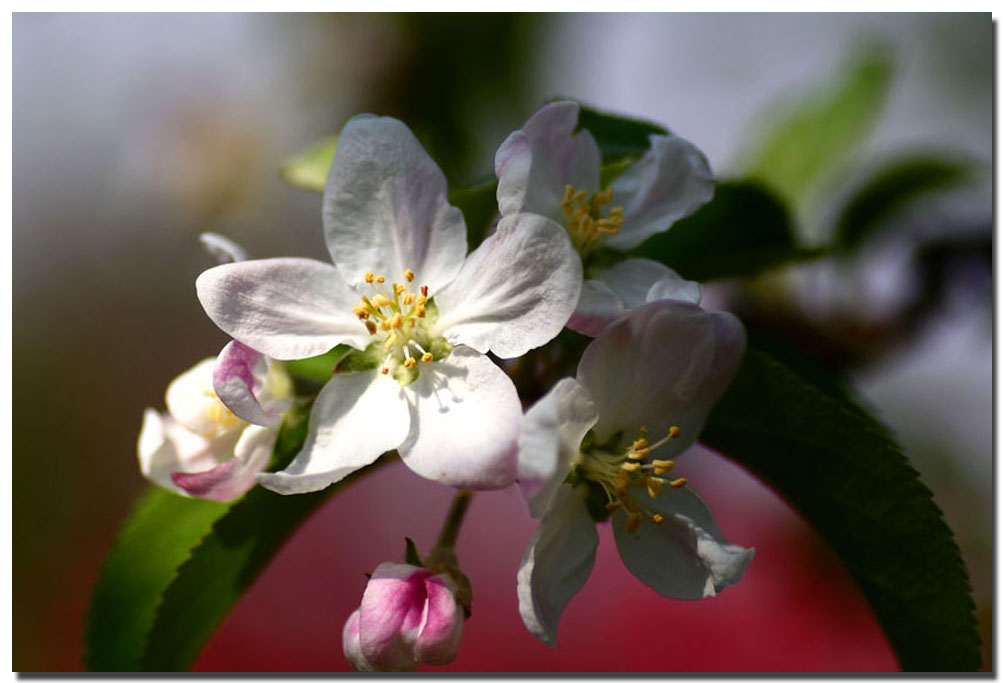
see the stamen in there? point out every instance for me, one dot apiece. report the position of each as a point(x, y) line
point(630, 466)
point(677, 483)
point(426, 357)
point(384, 371)
point(371, 326)
point(654, 486)
point(662, 466)
point(613, 505)
point(380, 301)
point(409, 275)
point(633, 522)
point(380, 279)
point(657, 518)
point(673, 432)
point(398, 289)
point(369, 277)
point(410, 363)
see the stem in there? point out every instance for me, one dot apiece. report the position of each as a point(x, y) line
point(451, 527)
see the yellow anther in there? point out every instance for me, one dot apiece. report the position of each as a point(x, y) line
point(408, 299)
point(654, 486)
point(215, 411)
point(397, 321)
point(371, 326)
point(369, 277)
point(676, 483)
point(425, 357)
point(580, 196)
point(630, 466)
point(390, 341)
point(633, 522)
point(380, 279)
point(409, 275)
point(639, 455)
point(380, 301)
point(412, 322)
point(422, 300)
point(662, 466)
point(673, 432)
point(385, 325)
point(640, 443)
point(657, 518)
point(613, 505)
point(620, 481)
point(361, 312)
point(410, 363)
point(419, 311)
point(569, 192)
point(398, 289)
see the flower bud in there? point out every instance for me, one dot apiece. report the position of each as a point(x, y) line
point(408, 615)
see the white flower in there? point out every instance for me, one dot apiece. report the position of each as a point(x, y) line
point(408, 615)
point(549, 169)
point(421, 316)
point(602, 443)
point(200, 447)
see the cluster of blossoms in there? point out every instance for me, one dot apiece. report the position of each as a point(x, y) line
point(420, 315)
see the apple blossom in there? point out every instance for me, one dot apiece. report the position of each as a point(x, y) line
point(419, 314)
point(603, 444)
point(408, 616)
point(200, 447)
point(548, 168)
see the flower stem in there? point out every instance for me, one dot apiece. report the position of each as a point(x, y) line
point(451, 527)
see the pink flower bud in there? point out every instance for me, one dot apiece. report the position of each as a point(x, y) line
point(408, 615)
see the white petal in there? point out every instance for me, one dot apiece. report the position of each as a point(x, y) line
point(611, 292)
point(515, 292)
point(671, 181)
point(235, 476)
point(286, 308)
point(685, 557)
point(552, 433)
point(665, 364)
point(355, 418)
point(385, 207)
point(244, 380)
point(536, 163)
point(465, 416)
point(557, 563)
point(221, 248)
point(165, 447)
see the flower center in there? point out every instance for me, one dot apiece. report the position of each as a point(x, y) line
point(400, 320)
point(221, 416)
point(586, 223)
point(622, 474)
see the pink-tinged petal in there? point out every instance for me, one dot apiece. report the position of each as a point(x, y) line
point(671, 181)
point(355, 418)
point(385, 207)
point(351, 645)
point(665, 364)
point(550, 441)
point(240, 377)
point(515, 292)
point(235, 476)
point(166, 447)
point(685, 557)
point(391, 616)
point(221, 248)
point(465, 416)
point(440, 634)
point(536, 163)
point(557, 563)
point(286, 308)
point(612, 292)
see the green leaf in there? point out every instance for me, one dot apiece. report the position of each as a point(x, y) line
point(842, 471)
point(152, 544)
point(744, 229)
point(618, 136)
point(309, 168)
point(228, 560)
point(807, 139)
point(890, 190)
point(318, 368)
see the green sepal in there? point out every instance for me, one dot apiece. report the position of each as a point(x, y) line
point(309, 168)
point(317, 368)
point(411, 555)
point(360, 361)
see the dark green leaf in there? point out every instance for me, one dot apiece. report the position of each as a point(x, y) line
point(742, 230)
point(890, 190)
point(227, 561)
point(617, 136)
point(842, 471)
point(154, 541)
point(309, 168)
point(807, 139)
point(411, 555)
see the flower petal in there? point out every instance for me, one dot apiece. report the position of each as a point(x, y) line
point(552, 433)
point(240, 376)
point(355, 418)
point(351, 645)
point(685, 557)
point(166, 447)
point(557, 563)
point(192, 403)
point(611, 292)
point(233, 477)
point(671, 181)
point(391, 615)
point(465, 416)
point(515, 291)
point(221, 248)
point(536, 163)
point(663, 365)
point(286, 308)
point(442, 628)
point(385, 207)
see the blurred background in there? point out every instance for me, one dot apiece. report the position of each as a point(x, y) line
point(134, 133)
